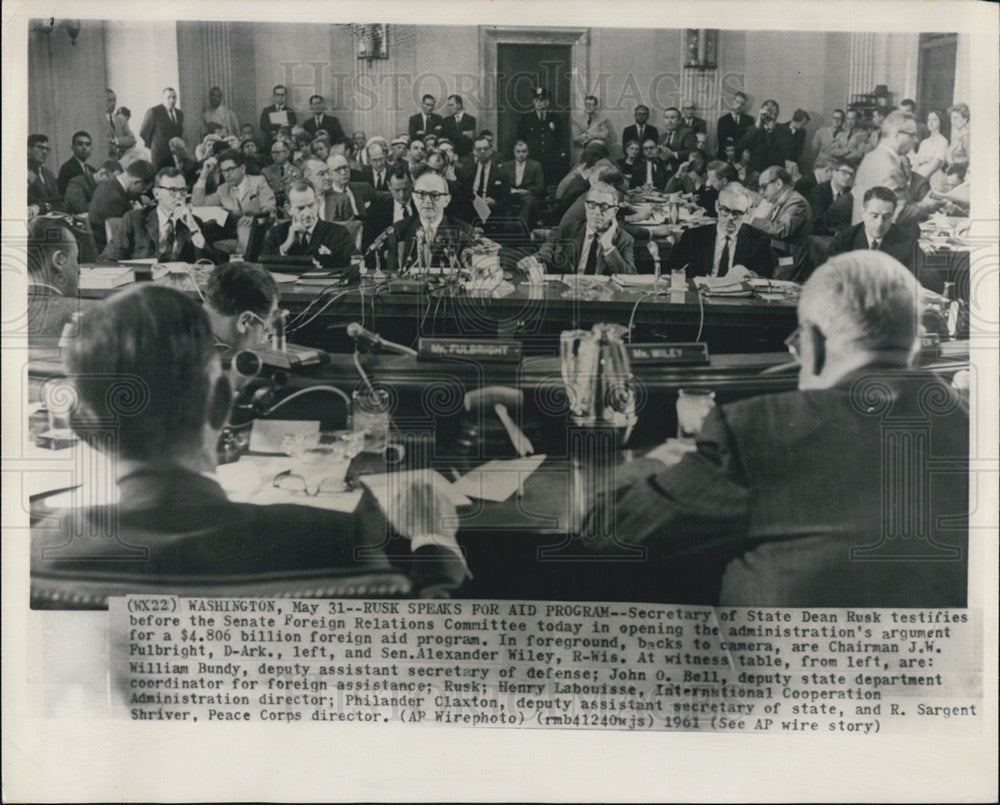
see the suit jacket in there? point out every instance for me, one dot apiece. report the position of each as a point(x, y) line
point(639, 174)
point(498, 189)
point(368, 175)
point(788, 223)
point(895, 243)
point(766, 148)
point(546, 141)
point(681, 140)
point(109, 201)
point(533, 178)
point(783, 487)
point(380, 217)
point(598, 129)
point(330, 243)
point(120, 136)
point(696, 250)
point(79, 192)
point(173, 522)
point(562, 251)
point(830, 218)
point(728, 128)
point(329, 124)
point(798, 141)
point(697, 125)
point(277, 183)
point(139, 238)
point(69, 169)
point(632, 133)
point(852, 147)
point(156, 131)
point(252, 196)
point(417, 129)
point(267, 128)
point(451, 239)
point(43, 190)
point(460, 134)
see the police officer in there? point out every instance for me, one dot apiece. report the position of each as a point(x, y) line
point(542, 130)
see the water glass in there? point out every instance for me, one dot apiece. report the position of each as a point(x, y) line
point(693, 405)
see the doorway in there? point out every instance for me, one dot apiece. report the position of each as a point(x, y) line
point(936, 72)
point(521, 68)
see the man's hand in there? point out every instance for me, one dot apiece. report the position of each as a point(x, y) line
point(290, 240)
point(741, 273)
point(424, 514)
point(209, 167)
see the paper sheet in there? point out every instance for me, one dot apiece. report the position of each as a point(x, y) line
point(385, 484)
point(279, 118)
point(249, 480)
point(482, 208)
point(217, 214)
point(497, 480)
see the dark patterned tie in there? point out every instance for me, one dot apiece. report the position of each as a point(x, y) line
point(724, 259)
point(591, 265)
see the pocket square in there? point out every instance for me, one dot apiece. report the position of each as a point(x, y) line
point(323, 250)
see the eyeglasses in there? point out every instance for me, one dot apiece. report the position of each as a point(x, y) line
point(792, 342)
point(174, 191)
point(908, 132)
point(724, 210)
point(293, 482)
point(342, 168)
point(268, 327)
point(429, 195)
point(230, 169)
point(593, 206)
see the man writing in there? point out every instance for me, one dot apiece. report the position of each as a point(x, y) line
point(80, 190)
point(792, 499)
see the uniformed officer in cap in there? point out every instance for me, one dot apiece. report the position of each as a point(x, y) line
point(542, 130)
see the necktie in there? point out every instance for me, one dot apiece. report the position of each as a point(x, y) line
point(173, 119)
point(724, 259)
point(378, 182)
point(406, 210)
point(300, 240)
point(591, 265)
point(639, 132)
point(904, 163)
point(874, 246)
point(319, 121)
point(481, 180)
point(167, 247)
point(590, 119)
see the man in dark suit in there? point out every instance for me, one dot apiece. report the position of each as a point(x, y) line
point(457, 126)
point(690, 120)
point(597, 245)
point(426, 121)
point(389, 209)
point(876, 231)
point(768, 143)
point(719, 250)
point(319, 120)
point(53, 278)
point(814, 497)
point(526, 180)
point(43, 190)
point(168, 231)
point(641, 131)
point(677, 141)
point(80, 190)
point(832, 202)
point(376, 172)
point(796, 128)
point(172, 519)
point(114, 198)
point(160, 124)
point(733, 125)
point(77, 164)
point(482, 178)
point(650, 170)
point(268, 128)
point(542, 130)
point(430, 239)
point(307, 234)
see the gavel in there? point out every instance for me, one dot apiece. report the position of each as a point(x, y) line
point(500, 400)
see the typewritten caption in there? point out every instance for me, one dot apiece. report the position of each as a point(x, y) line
point(545, 664)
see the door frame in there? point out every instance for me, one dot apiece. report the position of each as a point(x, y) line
point(490, 36)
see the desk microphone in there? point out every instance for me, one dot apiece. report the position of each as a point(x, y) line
point(377, 243)
point(359, 333)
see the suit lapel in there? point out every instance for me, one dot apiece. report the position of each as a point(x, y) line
point(153, 230)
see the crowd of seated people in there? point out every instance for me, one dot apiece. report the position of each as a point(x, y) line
point(363, 183)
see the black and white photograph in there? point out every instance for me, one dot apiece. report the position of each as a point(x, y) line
point(500, 366)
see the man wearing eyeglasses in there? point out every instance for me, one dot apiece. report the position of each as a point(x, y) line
point(729, 248)
point(247, 199)
point(168, 231)
point(281, 172)
point(594, 246)
point(482, 179)
point(430, 239)
point(832, 201)
point(329, 244)
point(887, 166)
point(814, 497)
point(784, 216)
point(43, 190)
point(650, 171)
point(241, 300)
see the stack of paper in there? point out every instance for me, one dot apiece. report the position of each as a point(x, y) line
point(102, 279)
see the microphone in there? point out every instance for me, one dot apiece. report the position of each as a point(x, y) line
point(359, 333)
point(377, 243)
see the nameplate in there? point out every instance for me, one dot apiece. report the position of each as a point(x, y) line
point(435, 349)
point(668, 354)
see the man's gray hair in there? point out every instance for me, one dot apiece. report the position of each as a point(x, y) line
point(894, 121)
point(740, 191)
point(864, 298)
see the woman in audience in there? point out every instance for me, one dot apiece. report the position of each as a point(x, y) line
point(430, 142)
point(933, 151)
point(256, 160)
point(320, 147)
point(958, 148)
point(628, 162)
